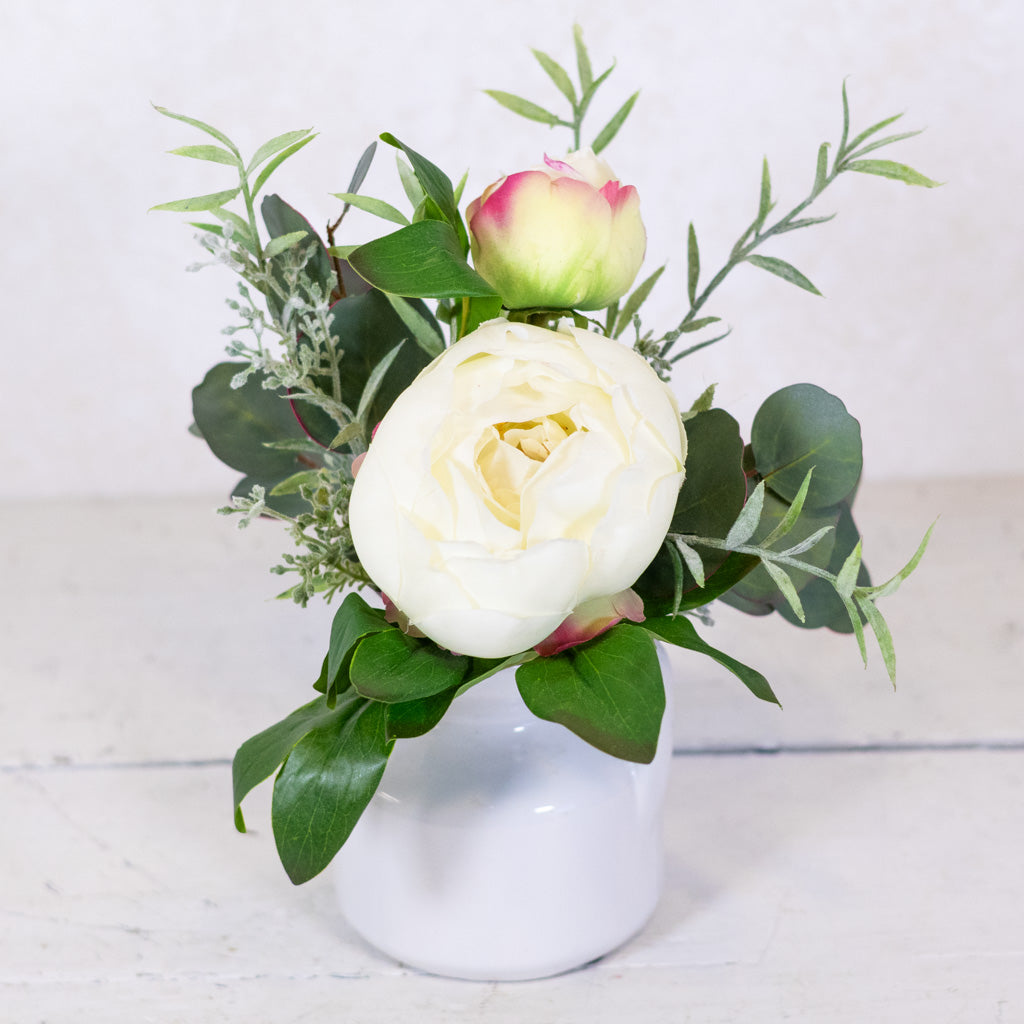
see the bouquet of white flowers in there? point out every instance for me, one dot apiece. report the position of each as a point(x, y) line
point(448, 417)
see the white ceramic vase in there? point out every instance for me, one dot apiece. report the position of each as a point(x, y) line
point(501, 847)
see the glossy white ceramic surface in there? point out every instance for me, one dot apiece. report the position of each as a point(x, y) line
point(503, 847)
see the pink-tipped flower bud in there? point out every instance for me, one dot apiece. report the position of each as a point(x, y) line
point(563, 236)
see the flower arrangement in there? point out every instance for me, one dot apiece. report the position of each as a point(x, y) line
point(449, 417)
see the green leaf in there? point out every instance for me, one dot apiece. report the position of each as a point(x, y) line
point(282, 220)
point(372, 386)
point(781, 579)
point(692, 265)
point(821, 170)
point(892, 585)
point(197, 203)
point(700, 324)
point(325, 784)
point(801, 426)
point(711, 497)
point(352, 621)
point(275, 145)
point(282, 242)
point(681, 632)
point(846, 124)
point(422, 260)
point(788, 521)
point(257, 758)
point(868, 132)
point(524, 108)
point(478, 310)
point(214, 154)
point(375, 206)
point(588, 94)
point(413, 718)
point(582, 59)
point(557, 74)
point(269, 169)
point(413, 190)
point(780, 268)
point(765, 203)
point(704, 402)
point(804, 222)
point(362, 167)
point(693, 563)
point(294, 483)
point(608, 691)
point(393, 667)
point(436, 184)
point(203, 127)
point(846, 579)
point(881, 630)
point(823, 607)
point(887, 141)
point(747, 521)
point(611, 129)
point(891, 169)
point(635, 301)
point(238, 422)
point(423, 327)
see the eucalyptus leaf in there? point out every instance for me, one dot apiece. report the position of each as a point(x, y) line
point(800, 427)
point(326, 782)
point(608, 691)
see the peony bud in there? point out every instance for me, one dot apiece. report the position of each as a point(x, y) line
point(564, 236)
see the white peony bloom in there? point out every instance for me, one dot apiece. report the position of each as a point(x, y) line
point(523, 473)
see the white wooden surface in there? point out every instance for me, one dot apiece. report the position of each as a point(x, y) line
point(855, 858)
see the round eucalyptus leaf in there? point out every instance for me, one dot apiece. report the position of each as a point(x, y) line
point(803, 427)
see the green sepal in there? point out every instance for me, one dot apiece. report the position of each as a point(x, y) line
point(324, 785)
point(608, 691)
point(681, 632)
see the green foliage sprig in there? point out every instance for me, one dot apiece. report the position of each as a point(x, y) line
point(579, 94)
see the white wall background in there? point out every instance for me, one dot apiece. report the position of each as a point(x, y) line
point(104, 334)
